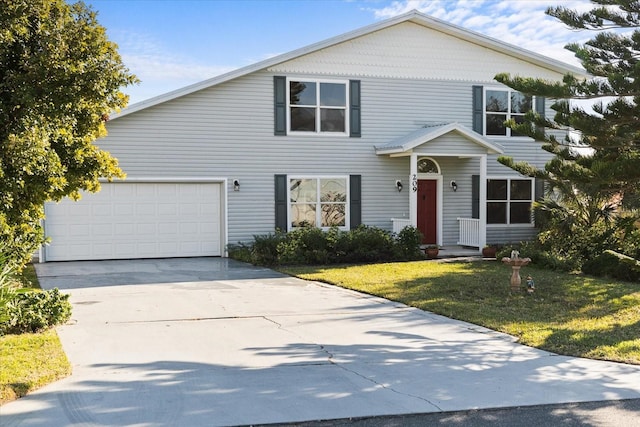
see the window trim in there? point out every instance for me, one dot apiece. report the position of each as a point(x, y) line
point(347, 202)
point(318, 131)
point(508, 113)
point(508, 201)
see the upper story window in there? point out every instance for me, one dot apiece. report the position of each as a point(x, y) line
point(509, 201)
point(501, 105)
point(317, 106)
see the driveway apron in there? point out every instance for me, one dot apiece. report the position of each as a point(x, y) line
point(211, 341)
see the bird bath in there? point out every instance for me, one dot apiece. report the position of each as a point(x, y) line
point(515, 262)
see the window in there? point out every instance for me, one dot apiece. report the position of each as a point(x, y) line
point(509, 201)
point(501, 105)
point(318, 202)
point(319, 107)
point(428, 166)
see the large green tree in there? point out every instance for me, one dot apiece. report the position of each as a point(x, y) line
point(603, 156)
point(60, 78)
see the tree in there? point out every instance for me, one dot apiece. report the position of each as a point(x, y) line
point(60, 78)
point(604, 156)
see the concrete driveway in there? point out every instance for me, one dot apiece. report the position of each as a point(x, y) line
point(210, 341)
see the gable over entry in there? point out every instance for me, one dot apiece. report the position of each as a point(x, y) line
point(451, 140)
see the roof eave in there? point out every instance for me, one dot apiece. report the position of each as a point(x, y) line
point(412, 16)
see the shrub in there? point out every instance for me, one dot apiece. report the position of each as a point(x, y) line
point(613, 264)
point(367, 244)
point(264, 250)
point(306, 245)
point(240, 252)
point(311, 245)
point(34, 311)
point(408, 244)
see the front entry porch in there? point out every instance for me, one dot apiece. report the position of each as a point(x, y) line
point(452, 159)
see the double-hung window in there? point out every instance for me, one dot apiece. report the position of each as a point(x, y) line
point(509, 201)
point(318, 202)
point(501, 105)
point(318, 106)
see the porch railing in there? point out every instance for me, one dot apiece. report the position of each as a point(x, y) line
point(469, 232)
point(399, 224)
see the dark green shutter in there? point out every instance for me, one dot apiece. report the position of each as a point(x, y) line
point(280, 105)
point(475, 196)
point(354, 109)
point(478, 109)
point(281, 202)
point(540, 101)
point(539, 188)
point(540, 109)
point(355, 201)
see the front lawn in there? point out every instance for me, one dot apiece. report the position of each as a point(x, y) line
point(568, 314)
point(29, 361)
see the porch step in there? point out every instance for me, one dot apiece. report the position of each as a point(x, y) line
point(457, 252)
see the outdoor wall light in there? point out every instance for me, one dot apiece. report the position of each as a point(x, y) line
point(454, 186)
point(399, 185)
point(236, 185)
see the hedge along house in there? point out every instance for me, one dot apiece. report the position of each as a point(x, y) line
point(398, 123)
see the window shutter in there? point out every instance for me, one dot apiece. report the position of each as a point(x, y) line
point(281, 202)
point(280, 105)
point(540, 101)
point(355, 202)
point(478, 110)
point(475, 196)
point(354, 109)
point(539, 187)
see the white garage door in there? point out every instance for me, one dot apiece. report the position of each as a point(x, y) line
point(137, 220)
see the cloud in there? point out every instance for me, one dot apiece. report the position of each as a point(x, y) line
point(521, 23)
point(159, 69)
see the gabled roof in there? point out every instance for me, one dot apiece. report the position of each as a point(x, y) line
point(413, 16)
point(430, 132)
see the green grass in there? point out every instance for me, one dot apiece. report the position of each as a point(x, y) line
point(30, 361)
point(568, 314)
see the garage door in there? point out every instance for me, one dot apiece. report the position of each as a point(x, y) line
point(137, 220)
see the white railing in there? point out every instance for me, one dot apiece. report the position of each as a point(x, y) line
point(469, 232)
point(399, 224)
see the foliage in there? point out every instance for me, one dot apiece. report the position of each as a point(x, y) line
point(594, 177)
point(568, 313)
point(60, 78)
point(310, 245)
point(30, 361)
point(408, 243)
point(614, 264)
point(35, 311)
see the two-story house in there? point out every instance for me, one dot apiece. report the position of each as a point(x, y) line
point(397, 123)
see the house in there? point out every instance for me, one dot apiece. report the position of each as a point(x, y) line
point(397, 123)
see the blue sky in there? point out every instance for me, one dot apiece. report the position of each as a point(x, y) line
point(169, 44)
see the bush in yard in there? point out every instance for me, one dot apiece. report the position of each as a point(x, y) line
point(306, 245)
point(27, 310)
point(613, 264)
point(311, 245)
point(264, 250)
point(35, 311)
point(408, 244)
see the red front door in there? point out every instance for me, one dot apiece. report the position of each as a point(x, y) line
point(427, 210)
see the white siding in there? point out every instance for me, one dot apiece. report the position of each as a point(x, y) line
point(409, 50)
point(227, 131)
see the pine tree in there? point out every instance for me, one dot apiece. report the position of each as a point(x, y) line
point(602, 159)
